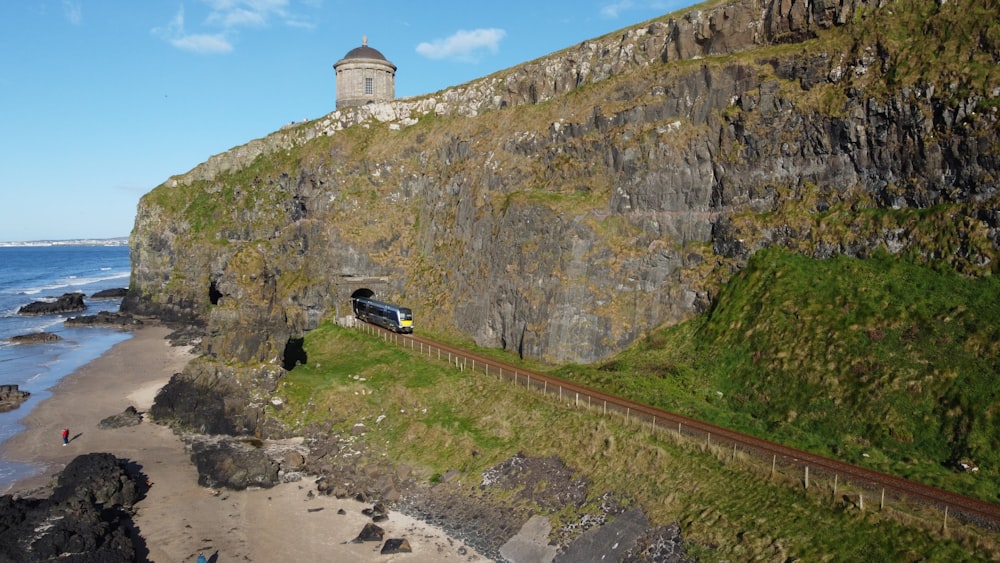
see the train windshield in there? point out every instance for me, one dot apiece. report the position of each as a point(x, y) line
point(405, 314)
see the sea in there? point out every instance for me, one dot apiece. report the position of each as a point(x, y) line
point(32, 272)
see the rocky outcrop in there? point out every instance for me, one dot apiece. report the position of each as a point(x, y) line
point(11, 397)
point(35, 338)
point(88, 516)
point(210, 398)
point(652, 163)
point(67, 303)
point(105, 318)
point(129, 417)
point(113, 293)
point(233, 465)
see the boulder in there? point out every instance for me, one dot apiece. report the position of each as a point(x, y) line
point(11, 397)
point(396, 545)
point(128, 417)
point(67, 303)
point(377, 513)
point(233, 465)
point(115, 293)
point(104, 318)
point(34, 338)
point(370, 532)
point(294, 460)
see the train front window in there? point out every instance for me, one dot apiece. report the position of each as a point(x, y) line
point(405, 314)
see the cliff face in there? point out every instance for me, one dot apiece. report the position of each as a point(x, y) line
point(563, 207)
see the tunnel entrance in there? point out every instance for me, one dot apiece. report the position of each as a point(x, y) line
point(363, 292)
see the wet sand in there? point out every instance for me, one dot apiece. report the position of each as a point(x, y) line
point(178, 518)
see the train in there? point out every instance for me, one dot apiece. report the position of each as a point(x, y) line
point(386, 315)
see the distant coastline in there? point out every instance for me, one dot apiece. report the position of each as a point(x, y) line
point(117, 241)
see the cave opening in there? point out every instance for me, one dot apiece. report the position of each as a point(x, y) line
point(214, 295)
point(295, 354)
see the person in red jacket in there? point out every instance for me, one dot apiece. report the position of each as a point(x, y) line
point(65, 436)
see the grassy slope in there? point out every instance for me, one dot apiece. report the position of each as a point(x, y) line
point(441, 419)
point(878, 362)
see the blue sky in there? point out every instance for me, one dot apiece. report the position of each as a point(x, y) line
point(103, 100)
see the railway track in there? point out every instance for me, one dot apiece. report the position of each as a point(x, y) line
point(963, 508)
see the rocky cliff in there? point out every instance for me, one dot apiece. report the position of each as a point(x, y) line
point(561, 208)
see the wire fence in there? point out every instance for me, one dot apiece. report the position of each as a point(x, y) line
point(847, 485)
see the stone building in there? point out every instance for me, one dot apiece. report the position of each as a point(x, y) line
point(364, 76)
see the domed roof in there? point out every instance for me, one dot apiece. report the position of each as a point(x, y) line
point(364, 52)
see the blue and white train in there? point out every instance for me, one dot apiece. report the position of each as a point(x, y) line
point(386, 315)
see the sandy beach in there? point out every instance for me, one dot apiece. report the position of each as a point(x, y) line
point(178, 518)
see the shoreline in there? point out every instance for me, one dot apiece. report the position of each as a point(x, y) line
point(178, 518)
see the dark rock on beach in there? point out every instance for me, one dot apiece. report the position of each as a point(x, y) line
point(231, 464)
point(67, 303)
point(88, 516)
point(11, 397)
point(371, 532)
point(115, 293)
point(396, 545)
point(129, 417)
point(105, 318)
point(35, 338)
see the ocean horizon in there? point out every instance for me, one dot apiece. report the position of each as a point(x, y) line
point(39, 271)
point(113, 241)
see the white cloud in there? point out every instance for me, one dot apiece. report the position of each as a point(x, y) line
point(462, 45)
point(615, 9)
point(174, 34)
point(226, 18)
point(73, 11)
point(237, 18)
point(231, 14)
point(203, 43)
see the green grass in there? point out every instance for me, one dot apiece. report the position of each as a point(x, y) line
point(440, 419)
point(879, 362)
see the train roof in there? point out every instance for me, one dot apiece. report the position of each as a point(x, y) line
point(377, 302)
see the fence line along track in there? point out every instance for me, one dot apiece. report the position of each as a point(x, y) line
point(953, 505)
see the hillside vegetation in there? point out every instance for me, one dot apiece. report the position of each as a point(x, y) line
point(427, 414)
point(875, 361)
point(780, 217)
